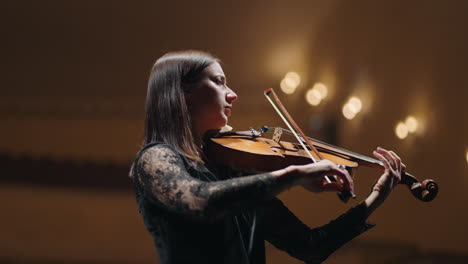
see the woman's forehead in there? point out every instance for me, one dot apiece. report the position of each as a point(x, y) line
point(214, 69)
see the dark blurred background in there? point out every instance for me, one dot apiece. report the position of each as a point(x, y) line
point(73, 86)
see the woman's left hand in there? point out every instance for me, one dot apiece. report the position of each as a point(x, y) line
point(394, 168)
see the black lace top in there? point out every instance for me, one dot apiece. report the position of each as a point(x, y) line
point(173, 195)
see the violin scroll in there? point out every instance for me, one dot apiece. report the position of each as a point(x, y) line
point(425, 191)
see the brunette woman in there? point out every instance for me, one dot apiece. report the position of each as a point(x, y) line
point(199, 214)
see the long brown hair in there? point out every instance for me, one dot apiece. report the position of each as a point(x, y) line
point(167, 116)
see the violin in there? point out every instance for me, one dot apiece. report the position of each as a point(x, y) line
point(252, 152)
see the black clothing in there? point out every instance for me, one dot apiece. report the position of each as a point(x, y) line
point(236, 238)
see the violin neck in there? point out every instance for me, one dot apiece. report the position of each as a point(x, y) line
point(361, 159)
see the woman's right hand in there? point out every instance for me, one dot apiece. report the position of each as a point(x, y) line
point(312, 177)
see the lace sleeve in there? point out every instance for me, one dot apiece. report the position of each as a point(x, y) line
point(163, 179)
point(286, 232)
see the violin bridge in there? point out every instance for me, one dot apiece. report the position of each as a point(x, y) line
point(277, 134)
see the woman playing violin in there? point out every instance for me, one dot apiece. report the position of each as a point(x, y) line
point(199, 214)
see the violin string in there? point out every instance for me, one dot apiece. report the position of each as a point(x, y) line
point(341, 150)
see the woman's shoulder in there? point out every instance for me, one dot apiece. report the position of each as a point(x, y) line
point(158, 151)
point(157, 147)
point(157, 159)
point(163, 157)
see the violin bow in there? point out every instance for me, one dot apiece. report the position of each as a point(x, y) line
point(290, 123)
point(424, 191)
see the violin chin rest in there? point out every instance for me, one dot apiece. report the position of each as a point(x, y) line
point(225, 128)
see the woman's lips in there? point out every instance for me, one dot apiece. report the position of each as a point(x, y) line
point(228, 110)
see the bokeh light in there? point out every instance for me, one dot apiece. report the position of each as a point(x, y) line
point(412, 124)
point(348, 111)
point(321, 88)
point(293, 77)
point(352, 107)
point(356, 103)
point(290, 82)
point(313, 97)
point(401, 130)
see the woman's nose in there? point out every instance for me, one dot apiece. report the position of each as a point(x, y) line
point(231, 96)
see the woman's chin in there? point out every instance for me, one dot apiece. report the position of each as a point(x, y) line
point(224, 120)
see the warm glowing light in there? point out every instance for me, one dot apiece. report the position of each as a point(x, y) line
point(286, 87)
point(401, 130)
point(352, 107)
point(356, 103)
point(313, 97)
point(467, 156)
point(411, 123)
point(290, 82)
point(293, 77)
point(349, 111)
point(322, 89)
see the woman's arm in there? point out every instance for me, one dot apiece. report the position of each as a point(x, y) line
point(162, 174)
point(165, 180)
point(394, 168)
point(284, 230)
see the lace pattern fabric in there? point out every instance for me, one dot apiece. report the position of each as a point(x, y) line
point(195, 218)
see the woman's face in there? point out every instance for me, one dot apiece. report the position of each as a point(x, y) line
point(210, 100)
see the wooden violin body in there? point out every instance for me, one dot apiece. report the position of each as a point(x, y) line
point(260, 154)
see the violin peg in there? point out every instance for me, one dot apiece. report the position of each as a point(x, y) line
point(263, 129)
point(415, 186)
point(424, 194)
